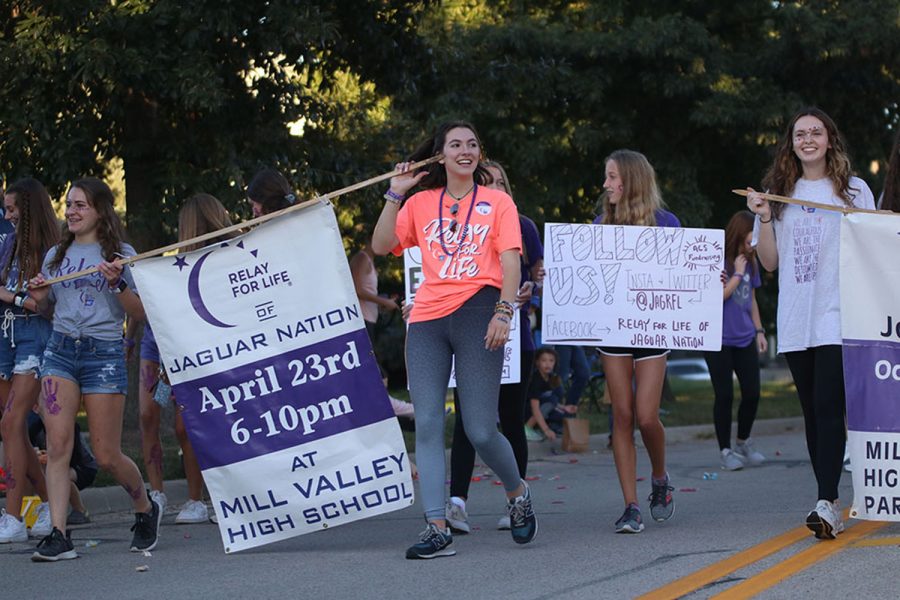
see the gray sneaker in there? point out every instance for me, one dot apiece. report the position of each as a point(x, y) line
point(731, 461)
point(457, 518)
point(630, 521)
point(748, 453)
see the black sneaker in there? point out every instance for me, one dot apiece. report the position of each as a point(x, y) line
point(54, 547)
point(630, 521)
point(432, 543)
point(522, 521)
point(146, 529)
point(662, 505)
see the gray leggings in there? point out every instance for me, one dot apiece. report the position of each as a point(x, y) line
point(430, 346)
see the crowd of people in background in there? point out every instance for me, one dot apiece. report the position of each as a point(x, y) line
point(64, 346)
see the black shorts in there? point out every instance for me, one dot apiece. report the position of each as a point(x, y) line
point(636, 353)
point(84, 476)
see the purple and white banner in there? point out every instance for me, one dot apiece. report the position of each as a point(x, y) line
point(630, 286)
point(264, 343)
point(870, 326)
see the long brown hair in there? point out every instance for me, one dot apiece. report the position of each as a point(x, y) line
point(739, 226)
point(782, 176)
point(437, 173)
point(271, 190)
point(201, 214)
point(36, 232)
point(640, 193)
point(110, 233)
point(891, 195)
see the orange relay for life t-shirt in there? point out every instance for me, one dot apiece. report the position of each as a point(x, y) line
point(455, 270)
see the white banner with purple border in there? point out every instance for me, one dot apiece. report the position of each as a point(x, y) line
point(634, 287)
point(870, 326)
point(264, 344)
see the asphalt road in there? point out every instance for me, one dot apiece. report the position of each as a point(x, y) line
point(741, 526)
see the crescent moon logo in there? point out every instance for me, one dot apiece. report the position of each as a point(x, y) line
point(196, 299)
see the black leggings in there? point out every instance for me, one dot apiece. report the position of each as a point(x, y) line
point(819, 376)
point(745, 363)
point(512, 402)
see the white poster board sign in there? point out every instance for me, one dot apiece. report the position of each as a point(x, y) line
point(628, 286)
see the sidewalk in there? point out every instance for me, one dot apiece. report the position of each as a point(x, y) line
point(115, 499)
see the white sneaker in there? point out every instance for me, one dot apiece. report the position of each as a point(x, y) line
point(825, 520)
point(731, 461)
point(42, 525)
point(12, 529)
point(193, 511)
point(160, 498)
point(750, 454)
point(503, 523)
point(457, 518)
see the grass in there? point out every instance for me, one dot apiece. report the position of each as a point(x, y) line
point(693, 405)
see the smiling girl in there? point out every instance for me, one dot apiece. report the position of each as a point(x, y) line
point(25, 332)
point(811, 163)
point(470, 240)
point(85, 357)
point(632, 198)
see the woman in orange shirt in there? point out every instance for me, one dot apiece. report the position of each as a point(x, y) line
point(470, 241)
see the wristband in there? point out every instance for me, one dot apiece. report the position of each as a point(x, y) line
point(19, 299)
point(741, 275)
point(501, 317)
point(129, 342)
point(393, 197)
point(763, 331)
point(769, 221)
point(119, 287)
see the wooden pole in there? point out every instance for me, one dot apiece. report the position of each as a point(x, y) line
point(841, 209)
point(251, 223)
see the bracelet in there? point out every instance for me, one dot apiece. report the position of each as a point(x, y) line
point(769, 221)
point(502, 318)
point(504, 303)
point(741, 275)
point(129, 342)
point(393, 197)
point(763, 331)
point(19, 299)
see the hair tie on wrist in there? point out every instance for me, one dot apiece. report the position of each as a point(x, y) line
point(769, 221)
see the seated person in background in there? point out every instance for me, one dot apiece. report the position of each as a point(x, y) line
point(547, 398)
point(82, 467)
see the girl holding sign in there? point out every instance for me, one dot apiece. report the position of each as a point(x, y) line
point(25, 333)
point(201, 214)
point(743, 339)
point(470, 240)
point(85, 358)
point(632, 198)
point(811, 163)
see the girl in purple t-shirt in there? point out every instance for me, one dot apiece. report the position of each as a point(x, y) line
point(743, 338)
point(632, 198)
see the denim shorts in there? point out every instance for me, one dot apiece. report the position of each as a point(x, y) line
point(97, 366)
point(22, 344)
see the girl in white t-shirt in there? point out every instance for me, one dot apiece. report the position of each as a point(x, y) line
point(803, 243)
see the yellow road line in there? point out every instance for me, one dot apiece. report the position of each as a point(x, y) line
point(800, 561)
point(882, 541)
point(716, 571)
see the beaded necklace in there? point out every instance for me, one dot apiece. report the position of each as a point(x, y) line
point(465, 228)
